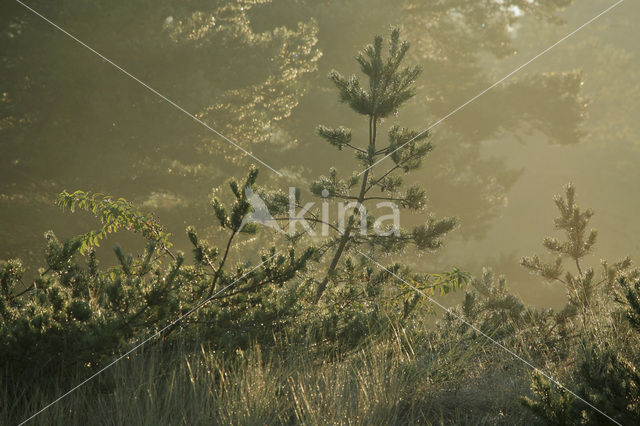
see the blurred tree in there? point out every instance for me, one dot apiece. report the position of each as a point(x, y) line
point(67, 119)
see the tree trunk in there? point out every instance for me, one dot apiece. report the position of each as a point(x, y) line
point(363, 191)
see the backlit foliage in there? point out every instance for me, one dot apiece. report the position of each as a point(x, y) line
point(388, 85)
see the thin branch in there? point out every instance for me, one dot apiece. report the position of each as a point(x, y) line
point(218, 272)
point(355, 148)
point(314, 220)
point(385, 198)
point(387, 173)
point(578, 266)
point(23, 291)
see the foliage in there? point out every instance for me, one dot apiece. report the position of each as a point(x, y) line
point(607, 375)
point(555, 404)
point(114, 215)
point(78, 314)
point(366, 306)
point(389, 85)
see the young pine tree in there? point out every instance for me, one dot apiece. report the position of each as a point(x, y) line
point(581, 284)
point(606, 354)
point(387, 87)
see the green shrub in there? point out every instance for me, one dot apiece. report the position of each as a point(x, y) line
point(77, 314)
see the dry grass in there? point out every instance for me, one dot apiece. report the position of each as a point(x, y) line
point(397, 381)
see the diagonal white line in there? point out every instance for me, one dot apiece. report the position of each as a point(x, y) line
point(492, 340)
point(495, 84)
point(151, 89)
point(153, 336)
